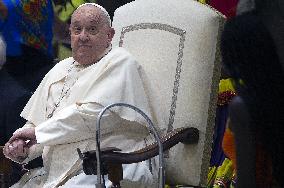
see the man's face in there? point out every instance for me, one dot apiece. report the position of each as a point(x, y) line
point(90, 35)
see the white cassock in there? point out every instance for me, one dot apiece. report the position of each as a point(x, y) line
point(80, 94)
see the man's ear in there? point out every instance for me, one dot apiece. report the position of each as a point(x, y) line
point(110, 34)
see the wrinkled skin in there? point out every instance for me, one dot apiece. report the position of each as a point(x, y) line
point(90, 34)
point(17, 147)
point(16, 150)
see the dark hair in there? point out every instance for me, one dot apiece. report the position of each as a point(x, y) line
point(249, 55)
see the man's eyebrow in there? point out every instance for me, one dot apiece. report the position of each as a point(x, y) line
point(75, 23)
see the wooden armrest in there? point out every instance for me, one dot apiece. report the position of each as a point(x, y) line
point(111, 156)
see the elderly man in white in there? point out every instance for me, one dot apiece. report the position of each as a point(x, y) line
point(61, 115)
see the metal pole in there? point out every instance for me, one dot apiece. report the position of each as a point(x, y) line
point(152, 130)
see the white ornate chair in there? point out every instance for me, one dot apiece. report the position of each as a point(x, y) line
point(177, 44)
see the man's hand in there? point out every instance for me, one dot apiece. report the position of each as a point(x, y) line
point(17, 147)
point(16, 150)
point(26, 134)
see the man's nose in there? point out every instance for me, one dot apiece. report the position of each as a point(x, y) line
point(84, 35)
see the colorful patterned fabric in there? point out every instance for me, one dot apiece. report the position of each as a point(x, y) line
point(223, 176)
point(27, 22)
point(221, 170)
point(228, 145)
point(217, 154)
point(225, 95)
point(64, 12)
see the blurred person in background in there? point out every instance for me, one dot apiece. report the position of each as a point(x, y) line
point(252, 45)
point(27, 29)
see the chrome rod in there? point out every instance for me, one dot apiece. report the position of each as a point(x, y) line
point(153, 130)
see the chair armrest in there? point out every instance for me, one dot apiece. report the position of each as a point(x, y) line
point(109, 156)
